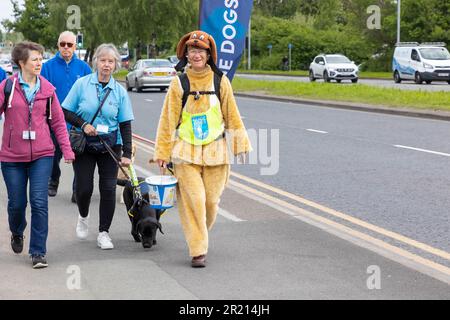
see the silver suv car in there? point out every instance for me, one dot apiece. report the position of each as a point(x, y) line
point(333, 67)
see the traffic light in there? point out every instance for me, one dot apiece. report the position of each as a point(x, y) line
point(80, 40)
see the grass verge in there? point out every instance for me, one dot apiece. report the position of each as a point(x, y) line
point(362, 75)
point(425, 100)
point(121, 74)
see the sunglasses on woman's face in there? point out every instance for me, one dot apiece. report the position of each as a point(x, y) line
point(62, 44)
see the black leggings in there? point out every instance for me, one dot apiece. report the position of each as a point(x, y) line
point(84, 166)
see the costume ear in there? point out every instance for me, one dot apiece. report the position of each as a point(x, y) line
point(213, 48)
point(181, 47)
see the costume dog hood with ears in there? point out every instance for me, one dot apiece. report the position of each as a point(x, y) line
point(198, 39)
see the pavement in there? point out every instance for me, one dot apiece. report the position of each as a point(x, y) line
point(261, 248)
point(258, 250)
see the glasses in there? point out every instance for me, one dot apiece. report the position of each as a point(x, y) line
point(62, 44)
point(197, 51)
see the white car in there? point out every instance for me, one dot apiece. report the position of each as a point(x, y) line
point(150, 73)
point(333, 67)
point(421, 62)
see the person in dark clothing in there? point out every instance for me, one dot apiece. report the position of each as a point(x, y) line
point(112, 123)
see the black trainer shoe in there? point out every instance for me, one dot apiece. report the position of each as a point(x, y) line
point(39, 262)
point(17, 243)
point(52, 188)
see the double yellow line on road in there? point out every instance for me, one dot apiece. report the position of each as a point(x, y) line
point(382, 247)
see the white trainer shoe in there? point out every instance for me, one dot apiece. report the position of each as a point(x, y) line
point(104, 241)
point(82, 227)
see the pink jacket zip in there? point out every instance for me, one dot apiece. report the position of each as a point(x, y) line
point(14, 148)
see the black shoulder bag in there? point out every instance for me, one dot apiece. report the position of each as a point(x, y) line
point(78, 139)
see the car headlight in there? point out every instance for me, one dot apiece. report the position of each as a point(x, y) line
point(331, 70)
point(427, 66)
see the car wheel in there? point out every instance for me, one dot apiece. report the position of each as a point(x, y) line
point(325, 77)
point(311, 76)
point(397, 78)
point(355, 80)
point(338, 80)
point(448, 81)
point(428, 82)
point(418, 78)
point(163, 89)
point(138, 87)
point(127, 85)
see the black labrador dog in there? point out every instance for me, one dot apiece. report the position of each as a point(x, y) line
point(144, 219)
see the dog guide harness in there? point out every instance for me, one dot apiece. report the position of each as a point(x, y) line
point(205, 127)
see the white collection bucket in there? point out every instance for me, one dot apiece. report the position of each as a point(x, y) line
point(162, 191)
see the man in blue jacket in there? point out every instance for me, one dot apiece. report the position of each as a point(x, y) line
point(2, 74)
point(62, 71)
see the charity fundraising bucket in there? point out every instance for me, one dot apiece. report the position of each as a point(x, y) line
point(162, 191)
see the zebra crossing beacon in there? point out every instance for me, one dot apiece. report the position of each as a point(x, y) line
point(199, 151)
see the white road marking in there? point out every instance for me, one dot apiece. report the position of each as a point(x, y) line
point(149, 100)
point(423, 150)
point(224, 213)
point(317, 131)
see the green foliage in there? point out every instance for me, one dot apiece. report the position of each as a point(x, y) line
point(360, 93)
point(115, 21)
point(32, 21)
point(340, 26)
point(312, 26)
point(307, 43)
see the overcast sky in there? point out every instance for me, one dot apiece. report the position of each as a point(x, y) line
point(6, 10)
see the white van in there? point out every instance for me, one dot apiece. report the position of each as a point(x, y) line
point(421, 62)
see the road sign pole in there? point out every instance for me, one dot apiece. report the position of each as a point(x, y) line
point(290, 55)
point(398, 20)
point(249, 44)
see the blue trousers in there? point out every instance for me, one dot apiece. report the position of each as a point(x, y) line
point(16, 176)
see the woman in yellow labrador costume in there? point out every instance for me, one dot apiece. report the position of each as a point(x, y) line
point(191, 135)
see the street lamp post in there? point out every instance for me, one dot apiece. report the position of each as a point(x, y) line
point(249, 61)
point(398, 20)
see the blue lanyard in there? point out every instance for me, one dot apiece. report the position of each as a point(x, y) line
point(30, 107)
point(99, 96)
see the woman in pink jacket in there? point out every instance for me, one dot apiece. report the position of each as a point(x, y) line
point(27, 149)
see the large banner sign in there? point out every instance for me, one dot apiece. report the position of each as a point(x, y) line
point(227, 21)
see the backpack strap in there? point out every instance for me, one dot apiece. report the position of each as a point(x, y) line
point(217, 80)
point(48, 110)
point(7, 92)
point(186, 86)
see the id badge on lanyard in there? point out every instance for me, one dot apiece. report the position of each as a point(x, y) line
point(100, 127)
point(29, 134)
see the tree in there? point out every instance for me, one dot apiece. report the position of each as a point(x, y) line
point(32, 21)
